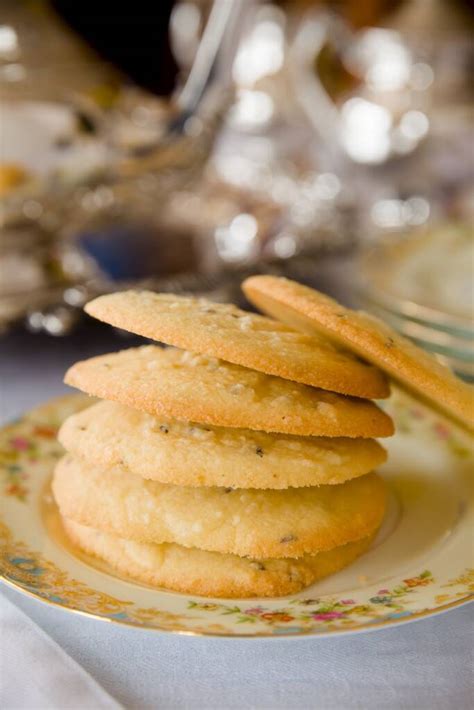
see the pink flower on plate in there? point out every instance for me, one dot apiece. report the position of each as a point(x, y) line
point(20, 443)
point(347, 601)
point(328, 615)
point(255, 611)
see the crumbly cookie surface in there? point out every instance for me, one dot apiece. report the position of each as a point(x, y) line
point(111, 434)
point(243, 522)
point(226, 332)
point(167, 382)
point(194, 571)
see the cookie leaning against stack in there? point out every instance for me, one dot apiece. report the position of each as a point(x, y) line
point(202, 475)
point(368, 337)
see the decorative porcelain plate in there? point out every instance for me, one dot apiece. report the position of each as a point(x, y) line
point(419, 565)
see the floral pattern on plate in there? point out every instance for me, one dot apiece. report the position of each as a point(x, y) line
point(35, 562)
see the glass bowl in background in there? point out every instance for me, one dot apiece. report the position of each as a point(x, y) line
point(421, 283)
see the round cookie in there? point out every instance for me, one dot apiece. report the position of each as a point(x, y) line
point(243, 522)
point(167, 382)
point(243, 338)
point(367, 336)
point(193, 571)
point(110, 434)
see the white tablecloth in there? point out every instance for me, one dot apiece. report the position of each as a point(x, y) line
point(425, 665)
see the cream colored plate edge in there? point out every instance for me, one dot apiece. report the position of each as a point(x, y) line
point(419, 565)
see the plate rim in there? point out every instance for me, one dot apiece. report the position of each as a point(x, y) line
point(311, 632)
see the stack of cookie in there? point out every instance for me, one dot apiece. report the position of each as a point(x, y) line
point(237, 463)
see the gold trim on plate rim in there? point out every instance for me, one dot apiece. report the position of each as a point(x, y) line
point(31, 442)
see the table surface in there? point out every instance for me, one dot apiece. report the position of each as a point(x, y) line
point(423, 665)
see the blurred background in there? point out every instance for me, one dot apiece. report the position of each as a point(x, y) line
point(181, 146)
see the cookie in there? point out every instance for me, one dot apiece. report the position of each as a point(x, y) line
point(110, 434)
point(314, 313)
point(181, 385)
point(244, 522)
point(243, 338)
point(193, 571)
